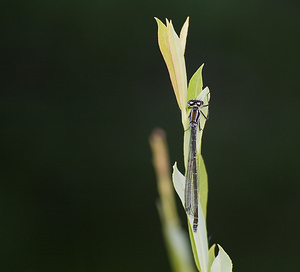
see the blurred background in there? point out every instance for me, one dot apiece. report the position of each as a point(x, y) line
point(83, 84)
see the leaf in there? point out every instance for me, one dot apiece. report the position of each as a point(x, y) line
point(205, 97)
point(177, 54)
point(172, 49)
point(194, 248)
point(179, 182)
point(186, 145)
point(211, 256)
point(163, 43)
point(222, 262)
point(198, 238)
point(195, 84)
point(202, 185)
point(183, 33)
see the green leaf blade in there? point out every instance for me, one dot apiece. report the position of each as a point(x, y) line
point(183, 33)
point(202, 185)
point(172, 48)
point(222, 262)
point(211, 256)
point(195, 84)
point(163, 43)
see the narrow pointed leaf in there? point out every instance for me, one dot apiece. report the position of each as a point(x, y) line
point(222, 262)
point(183, 33)
point(195, 84)
point(178, 62)
point(211, 256)
point(165, 51)
point(171, 48)
point(202, 185)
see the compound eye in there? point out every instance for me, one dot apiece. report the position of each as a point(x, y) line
point(191, 103)
point(199, 103)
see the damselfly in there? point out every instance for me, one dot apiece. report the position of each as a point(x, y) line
point(199, 109)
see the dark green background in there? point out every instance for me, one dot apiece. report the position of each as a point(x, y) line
point(83, 84)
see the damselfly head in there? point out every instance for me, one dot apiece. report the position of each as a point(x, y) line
point(195, 103)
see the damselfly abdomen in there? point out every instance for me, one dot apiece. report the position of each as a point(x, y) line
point(191, 184)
